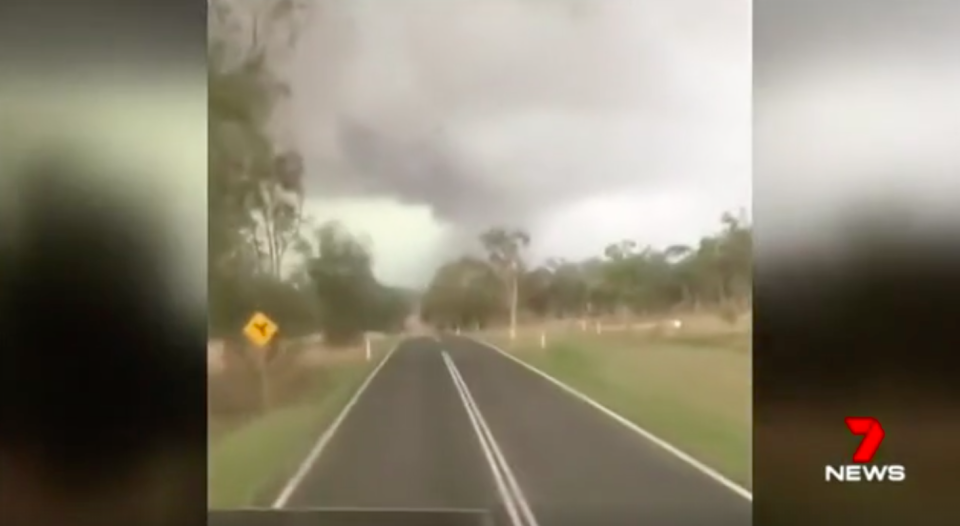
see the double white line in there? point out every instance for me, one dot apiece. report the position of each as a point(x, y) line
point(513, 500)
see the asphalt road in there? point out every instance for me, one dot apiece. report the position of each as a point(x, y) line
point(413, 440)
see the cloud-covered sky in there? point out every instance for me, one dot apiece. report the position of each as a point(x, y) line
point(424, 121)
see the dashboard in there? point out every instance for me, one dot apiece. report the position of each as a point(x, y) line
point(351, 517)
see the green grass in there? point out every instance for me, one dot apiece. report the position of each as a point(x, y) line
point(694, 394)
point(247, 462)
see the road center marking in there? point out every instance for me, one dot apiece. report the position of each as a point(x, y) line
point(510, 493)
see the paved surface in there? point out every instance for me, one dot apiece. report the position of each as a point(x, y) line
point(578, 466)
point(410, 442)
point(407, 443)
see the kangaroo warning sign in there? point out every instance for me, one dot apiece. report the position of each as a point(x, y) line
point(260, 329)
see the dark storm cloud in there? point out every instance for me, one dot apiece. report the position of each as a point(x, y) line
point(506, 109)
point(427, 170)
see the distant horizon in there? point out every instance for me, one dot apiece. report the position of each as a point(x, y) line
point(398, 262)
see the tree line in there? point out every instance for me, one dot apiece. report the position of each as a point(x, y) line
point(498, 285)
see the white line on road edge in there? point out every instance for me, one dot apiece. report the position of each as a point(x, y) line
point(328, 433)
point(670, 448)
point(507, 486)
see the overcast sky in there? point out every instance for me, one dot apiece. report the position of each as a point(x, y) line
point(585, 122)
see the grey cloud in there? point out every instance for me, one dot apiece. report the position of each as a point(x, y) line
point(419, 171)
point(499, 110)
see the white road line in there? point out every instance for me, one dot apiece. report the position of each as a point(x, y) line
point(663, 444)
point(507, 485)
point(307, 464)
point(502, 488)
point(511, 479)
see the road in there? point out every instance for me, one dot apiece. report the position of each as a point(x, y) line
point(451, 423)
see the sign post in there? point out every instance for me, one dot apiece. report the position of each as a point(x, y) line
point(260, 331)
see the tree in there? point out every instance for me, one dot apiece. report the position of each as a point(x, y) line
point(342, 279)
point(349, 298)
point(463, 293)
point(505, 252)
point(256, 187)
point(536, 293)
point(255, 192)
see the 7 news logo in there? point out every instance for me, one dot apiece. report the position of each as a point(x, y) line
point(862, 470)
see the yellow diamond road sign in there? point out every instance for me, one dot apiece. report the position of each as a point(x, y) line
point(260, 329)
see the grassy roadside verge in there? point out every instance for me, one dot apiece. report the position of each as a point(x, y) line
point(695, 396)
point(249, 463)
